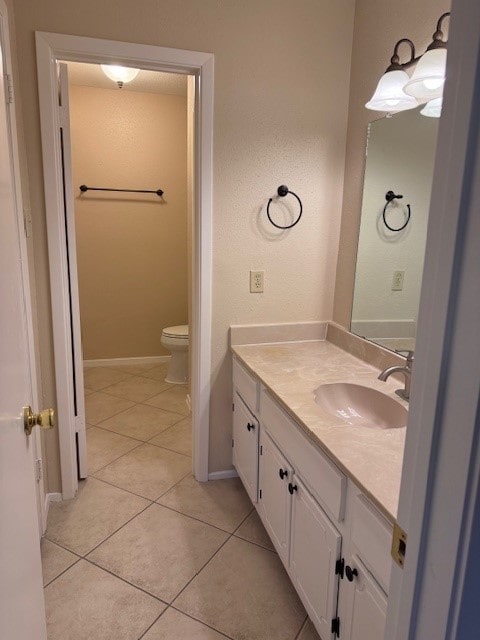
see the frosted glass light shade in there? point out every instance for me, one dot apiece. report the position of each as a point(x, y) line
point(428, 78)
point(119, 74)
point(389, 95)
point(433, 109)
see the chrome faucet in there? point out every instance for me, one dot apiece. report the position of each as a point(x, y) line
point(407, 372)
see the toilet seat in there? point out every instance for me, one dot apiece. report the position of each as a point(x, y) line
point(179, 332)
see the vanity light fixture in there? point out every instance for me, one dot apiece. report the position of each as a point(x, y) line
point(119, 74)
point(396, 91)
point(433, 108)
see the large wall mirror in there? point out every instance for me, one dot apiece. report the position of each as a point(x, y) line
point(399, 159)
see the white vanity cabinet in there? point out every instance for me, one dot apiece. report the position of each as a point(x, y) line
point(333, 541)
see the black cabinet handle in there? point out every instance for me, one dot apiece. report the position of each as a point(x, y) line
point(292, 488)
point(250, 426)
point(283, 473)
point(350, 573)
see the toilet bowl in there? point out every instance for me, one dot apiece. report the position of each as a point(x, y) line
point(175, 340)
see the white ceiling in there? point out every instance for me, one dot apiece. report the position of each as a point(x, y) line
point(91, 75)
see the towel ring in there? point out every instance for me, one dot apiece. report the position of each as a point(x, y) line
point(282, 192)
point(389, 197)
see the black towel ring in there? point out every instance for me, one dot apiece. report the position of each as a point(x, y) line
point(389, 197)
point(282, 192)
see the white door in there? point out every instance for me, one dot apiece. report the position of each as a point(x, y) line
point(314, 549)
point(274, 506)
point(22, 614)
point(74, 305)
point(245, 447)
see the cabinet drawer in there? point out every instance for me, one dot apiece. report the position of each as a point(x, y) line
point(246, 385)
point(323, 479)
point(372, 537)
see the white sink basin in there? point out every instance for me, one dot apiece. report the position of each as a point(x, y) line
point(362, 406)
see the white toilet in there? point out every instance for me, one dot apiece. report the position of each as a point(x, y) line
point(175, 339)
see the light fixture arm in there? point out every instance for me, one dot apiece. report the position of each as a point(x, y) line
point(395, 64)
point(437, 39)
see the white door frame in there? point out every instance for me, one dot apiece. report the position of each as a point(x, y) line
point(439, 504)
point(50, 48)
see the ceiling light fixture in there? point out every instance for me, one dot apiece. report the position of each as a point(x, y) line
point(396, 91)
point(119, 74)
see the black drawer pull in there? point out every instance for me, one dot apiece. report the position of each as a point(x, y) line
point(292, 488)
point(250, 426)
point(283, 473)
point(350, 573)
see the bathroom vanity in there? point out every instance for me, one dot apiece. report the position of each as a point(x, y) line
point(326, 489)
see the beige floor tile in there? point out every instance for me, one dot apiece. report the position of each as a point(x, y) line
point(100, 406)
point(136, 388)
point(253, 530)
point(54, 560)
point(86, 603)
point(140, 422)
point(158, 372)
point(177, 438)
point(98, 378)
point(222, 503)
point(309, 632)
point(104, 447)
point(173, 625)
point(245, 593)
point(148, 470)
point(135, 369)
point(159, 551)
point(173, 399)
point(97, 511)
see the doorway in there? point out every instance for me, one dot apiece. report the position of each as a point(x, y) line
point(51, 48)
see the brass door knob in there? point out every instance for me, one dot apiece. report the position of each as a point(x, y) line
point(45, 419)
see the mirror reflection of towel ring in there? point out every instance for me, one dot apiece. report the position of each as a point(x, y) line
point(282, 192)
point(389, 197)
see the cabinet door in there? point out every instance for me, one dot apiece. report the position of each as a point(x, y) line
point(367, 609)
point(315, 547)
point(245, 446)
point(275, 501)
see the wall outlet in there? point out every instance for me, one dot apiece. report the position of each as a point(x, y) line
point(256, 281)
point(397, 280)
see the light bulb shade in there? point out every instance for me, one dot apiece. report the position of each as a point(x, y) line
point(119, 74)
point(433, 109)
point(428, 78)
point(389, 95)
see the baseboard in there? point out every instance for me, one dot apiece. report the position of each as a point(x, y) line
point(116, 362)
point(50, 497)
point(222, 475)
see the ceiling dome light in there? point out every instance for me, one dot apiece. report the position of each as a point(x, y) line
point(428, 78)
point(389, 94)
point(433, 109)
point(119, 74)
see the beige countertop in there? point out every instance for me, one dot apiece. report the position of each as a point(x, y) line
point(371, 457)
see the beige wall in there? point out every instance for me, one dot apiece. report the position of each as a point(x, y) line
point(131, 248)
point(379, 24)
point(282, 71)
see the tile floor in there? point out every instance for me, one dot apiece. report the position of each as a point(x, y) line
point(145, 551)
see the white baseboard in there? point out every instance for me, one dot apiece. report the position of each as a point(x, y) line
point(222, 475)
point(50, 497)
point(116, 362)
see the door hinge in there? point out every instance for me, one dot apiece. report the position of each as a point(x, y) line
point(399, 545)
point(336, 626)
point(9, 95)
point(38, 469)
point(233, 406)
point(233, 443)
point(260, 494)
point(261, 449)
point(27, 223)
point(339, 567)
point(63, 116)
